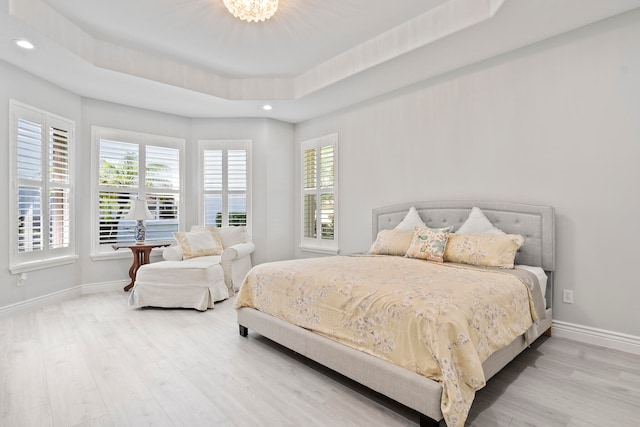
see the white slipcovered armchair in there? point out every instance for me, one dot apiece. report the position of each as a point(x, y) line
point(235, 258)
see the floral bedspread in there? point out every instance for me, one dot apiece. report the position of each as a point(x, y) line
point(439, 320)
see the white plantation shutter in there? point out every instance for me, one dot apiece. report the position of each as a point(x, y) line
point(319, 182)
point(237, 187)
point(42, 200)
point(30, 169)
point(132, 165)
point(326, 178)
point(29, 212)
point(309, 177)
point(212, 175)
point(119, 164)
point(163, 187)
point(119, 179)
point(163, 168)
point(59, 188)
point(113, 206)
point(225, 179)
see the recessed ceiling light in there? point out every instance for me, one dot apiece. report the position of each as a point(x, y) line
point(267, 107)
point(25, 44)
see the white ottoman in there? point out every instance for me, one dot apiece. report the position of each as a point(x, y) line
point(188, 284)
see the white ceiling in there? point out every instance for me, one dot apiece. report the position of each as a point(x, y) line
point(192, 58)
point(302, 34)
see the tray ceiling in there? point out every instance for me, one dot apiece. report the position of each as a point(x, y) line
point(192, 58)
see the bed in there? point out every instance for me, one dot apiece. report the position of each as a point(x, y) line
point(536, 224)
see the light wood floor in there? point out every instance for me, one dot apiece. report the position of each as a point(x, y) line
point(93, 361)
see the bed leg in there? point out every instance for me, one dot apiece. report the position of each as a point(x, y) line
point(428, 422)
point(547, 333)
point(244, 331)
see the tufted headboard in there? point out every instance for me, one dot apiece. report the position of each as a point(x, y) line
point(533, 222)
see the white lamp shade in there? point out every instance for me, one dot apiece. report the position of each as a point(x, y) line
point(139, 210)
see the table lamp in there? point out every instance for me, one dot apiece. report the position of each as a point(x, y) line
point(139, 212)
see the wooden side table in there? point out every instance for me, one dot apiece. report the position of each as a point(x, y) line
point(141, 254)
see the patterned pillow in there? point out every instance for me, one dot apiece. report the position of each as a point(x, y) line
point(486, 250)
point(429, 243)
point(391, 242)
point(198, 243)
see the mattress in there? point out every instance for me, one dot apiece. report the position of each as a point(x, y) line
point(540, 275)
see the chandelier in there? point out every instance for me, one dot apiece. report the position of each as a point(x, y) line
point(252, 10)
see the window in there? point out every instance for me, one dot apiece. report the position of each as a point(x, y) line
point(225, 179)
point(41, 230)
point(129, 165)
point(319, 195)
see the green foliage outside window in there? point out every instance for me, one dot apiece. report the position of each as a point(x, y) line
point(124, 174)
point(235, 218)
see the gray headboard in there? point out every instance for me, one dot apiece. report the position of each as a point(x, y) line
point(535, 223)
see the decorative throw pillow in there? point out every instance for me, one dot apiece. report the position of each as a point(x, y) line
point(429, 243)
point(411, 221)
point(486, 250)
point(197, 243)
point(215, 233)
point(477, 222)
point(228, 236)
point(391, 242)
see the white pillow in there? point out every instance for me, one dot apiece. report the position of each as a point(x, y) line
point(411, 221)
point(477, 223)
point(229, 236)
point(172, 253)
point(197, 243)
point(233, 235)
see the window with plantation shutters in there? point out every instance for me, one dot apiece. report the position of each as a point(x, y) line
point(319, 195)
point(41, 233)
point(133, 165)
point(163, 183)
point(225, 183)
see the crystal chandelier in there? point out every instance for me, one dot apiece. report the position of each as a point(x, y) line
point(252, 10)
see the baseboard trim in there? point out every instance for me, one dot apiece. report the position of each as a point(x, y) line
point(94, 288)
point(59, 296)
point(599, 337)
point(40, 301)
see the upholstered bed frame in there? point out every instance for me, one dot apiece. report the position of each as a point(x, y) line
point(535, 223)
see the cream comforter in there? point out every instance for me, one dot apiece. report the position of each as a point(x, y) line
point(439, 320)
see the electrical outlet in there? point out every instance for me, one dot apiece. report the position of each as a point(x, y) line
point(567, 296)
point(21, 279)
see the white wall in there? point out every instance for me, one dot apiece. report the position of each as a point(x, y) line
point(269, 138)
point(106, 114)
point(555, 123)
point(26, 88)
point(272, 179)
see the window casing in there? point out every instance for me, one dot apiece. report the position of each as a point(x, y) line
point(42, 182)
point(225, 183)
point(129, 165)
point(319, 183)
